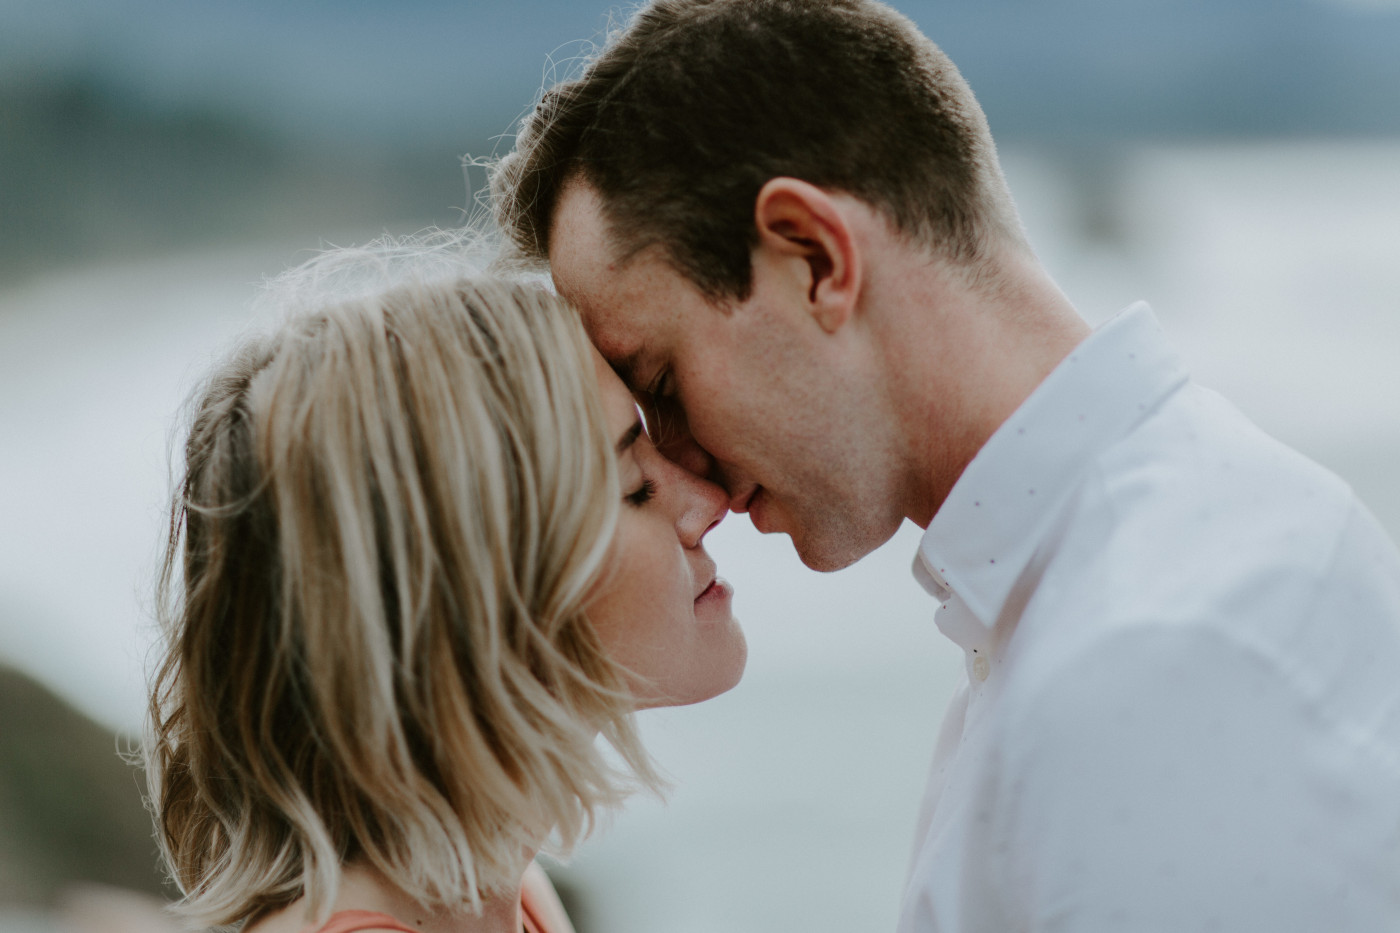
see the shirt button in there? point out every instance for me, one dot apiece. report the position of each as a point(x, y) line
point(980, 668)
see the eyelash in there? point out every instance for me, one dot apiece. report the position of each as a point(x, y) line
point(661, 385)
point(643, 494)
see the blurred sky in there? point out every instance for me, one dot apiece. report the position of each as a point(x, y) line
point(1236, 163)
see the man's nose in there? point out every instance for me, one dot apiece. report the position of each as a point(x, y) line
point(739, 495)
point(685, 452)
point(670, 433)
point(703, 506)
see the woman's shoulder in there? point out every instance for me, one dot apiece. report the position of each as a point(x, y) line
point(540, 907)
point(363, 921)
point(540, 912)
point(342, 921)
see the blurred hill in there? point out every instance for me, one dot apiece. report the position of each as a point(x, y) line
point(70, 808)
point(1105, 70)
point(91, 174)
point(440, 70)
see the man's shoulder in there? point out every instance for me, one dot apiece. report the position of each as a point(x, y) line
point(1198, 496)
point(1201, 537)
point(1200, 447)
point(1314, 644)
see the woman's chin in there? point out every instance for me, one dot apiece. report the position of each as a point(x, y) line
point(720, 676)
point(728, 674)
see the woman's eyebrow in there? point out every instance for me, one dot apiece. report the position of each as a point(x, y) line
point(629, 437)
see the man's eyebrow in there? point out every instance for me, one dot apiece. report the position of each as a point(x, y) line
point(629, 437)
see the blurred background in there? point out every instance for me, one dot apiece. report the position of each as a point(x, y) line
point(1234, 162)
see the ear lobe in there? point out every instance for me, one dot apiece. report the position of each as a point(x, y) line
point(803, 228)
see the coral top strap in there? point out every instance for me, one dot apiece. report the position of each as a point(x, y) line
point(348, 921)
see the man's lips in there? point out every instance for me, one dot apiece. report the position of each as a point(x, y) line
point(758, 506)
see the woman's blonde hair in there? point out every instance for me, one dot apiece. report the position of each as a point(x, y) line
point(392, 514)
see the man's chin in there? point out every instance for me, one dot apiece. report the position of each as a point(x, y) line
point(825, 561)
point(830, 548)
point(824, 553)
point(823, 548)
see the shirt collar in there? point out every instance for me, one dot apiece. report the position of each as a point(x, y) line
point(1005, 502)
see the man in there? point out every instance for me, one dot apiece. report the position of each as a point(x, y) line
point(785, 225)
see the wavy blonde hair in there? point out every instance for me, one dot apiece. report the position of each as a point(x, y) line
point(393, 510)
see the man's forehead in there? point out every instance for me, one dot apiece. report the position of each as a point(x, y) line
point(614, 321)
point(587, 267)
point(580, 248)
point(618, 300)
point(635, 307)
point(632, 366)
point(622, 344)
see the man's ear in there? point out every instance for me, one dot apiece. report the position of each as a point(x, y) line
point(802, 228)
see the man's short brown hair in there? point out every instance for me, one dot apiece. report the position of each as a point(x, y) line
point(685, 114)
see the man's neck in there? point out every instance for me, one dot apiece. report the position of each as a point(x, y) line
point(964, 356)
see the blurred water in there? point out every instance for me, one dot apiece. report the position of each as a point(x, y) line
point(1275, 269)
point(93, 364)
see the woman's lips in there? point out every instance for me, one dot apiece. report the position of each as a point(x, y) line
point(718, 589)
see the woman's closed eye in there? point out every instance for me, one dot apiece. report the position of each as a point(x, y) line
point(643, 493)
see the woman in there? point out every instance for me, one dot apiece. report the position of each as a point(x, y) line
point(423, 554)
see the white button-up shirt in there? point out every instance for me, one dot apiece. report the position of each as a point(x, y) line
point(1182, 706)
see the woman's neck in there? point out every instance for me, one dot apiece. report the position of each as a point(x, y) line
point(364, 888)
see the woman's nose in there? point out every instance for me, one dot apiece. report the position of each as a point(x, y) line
point(700, 504)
